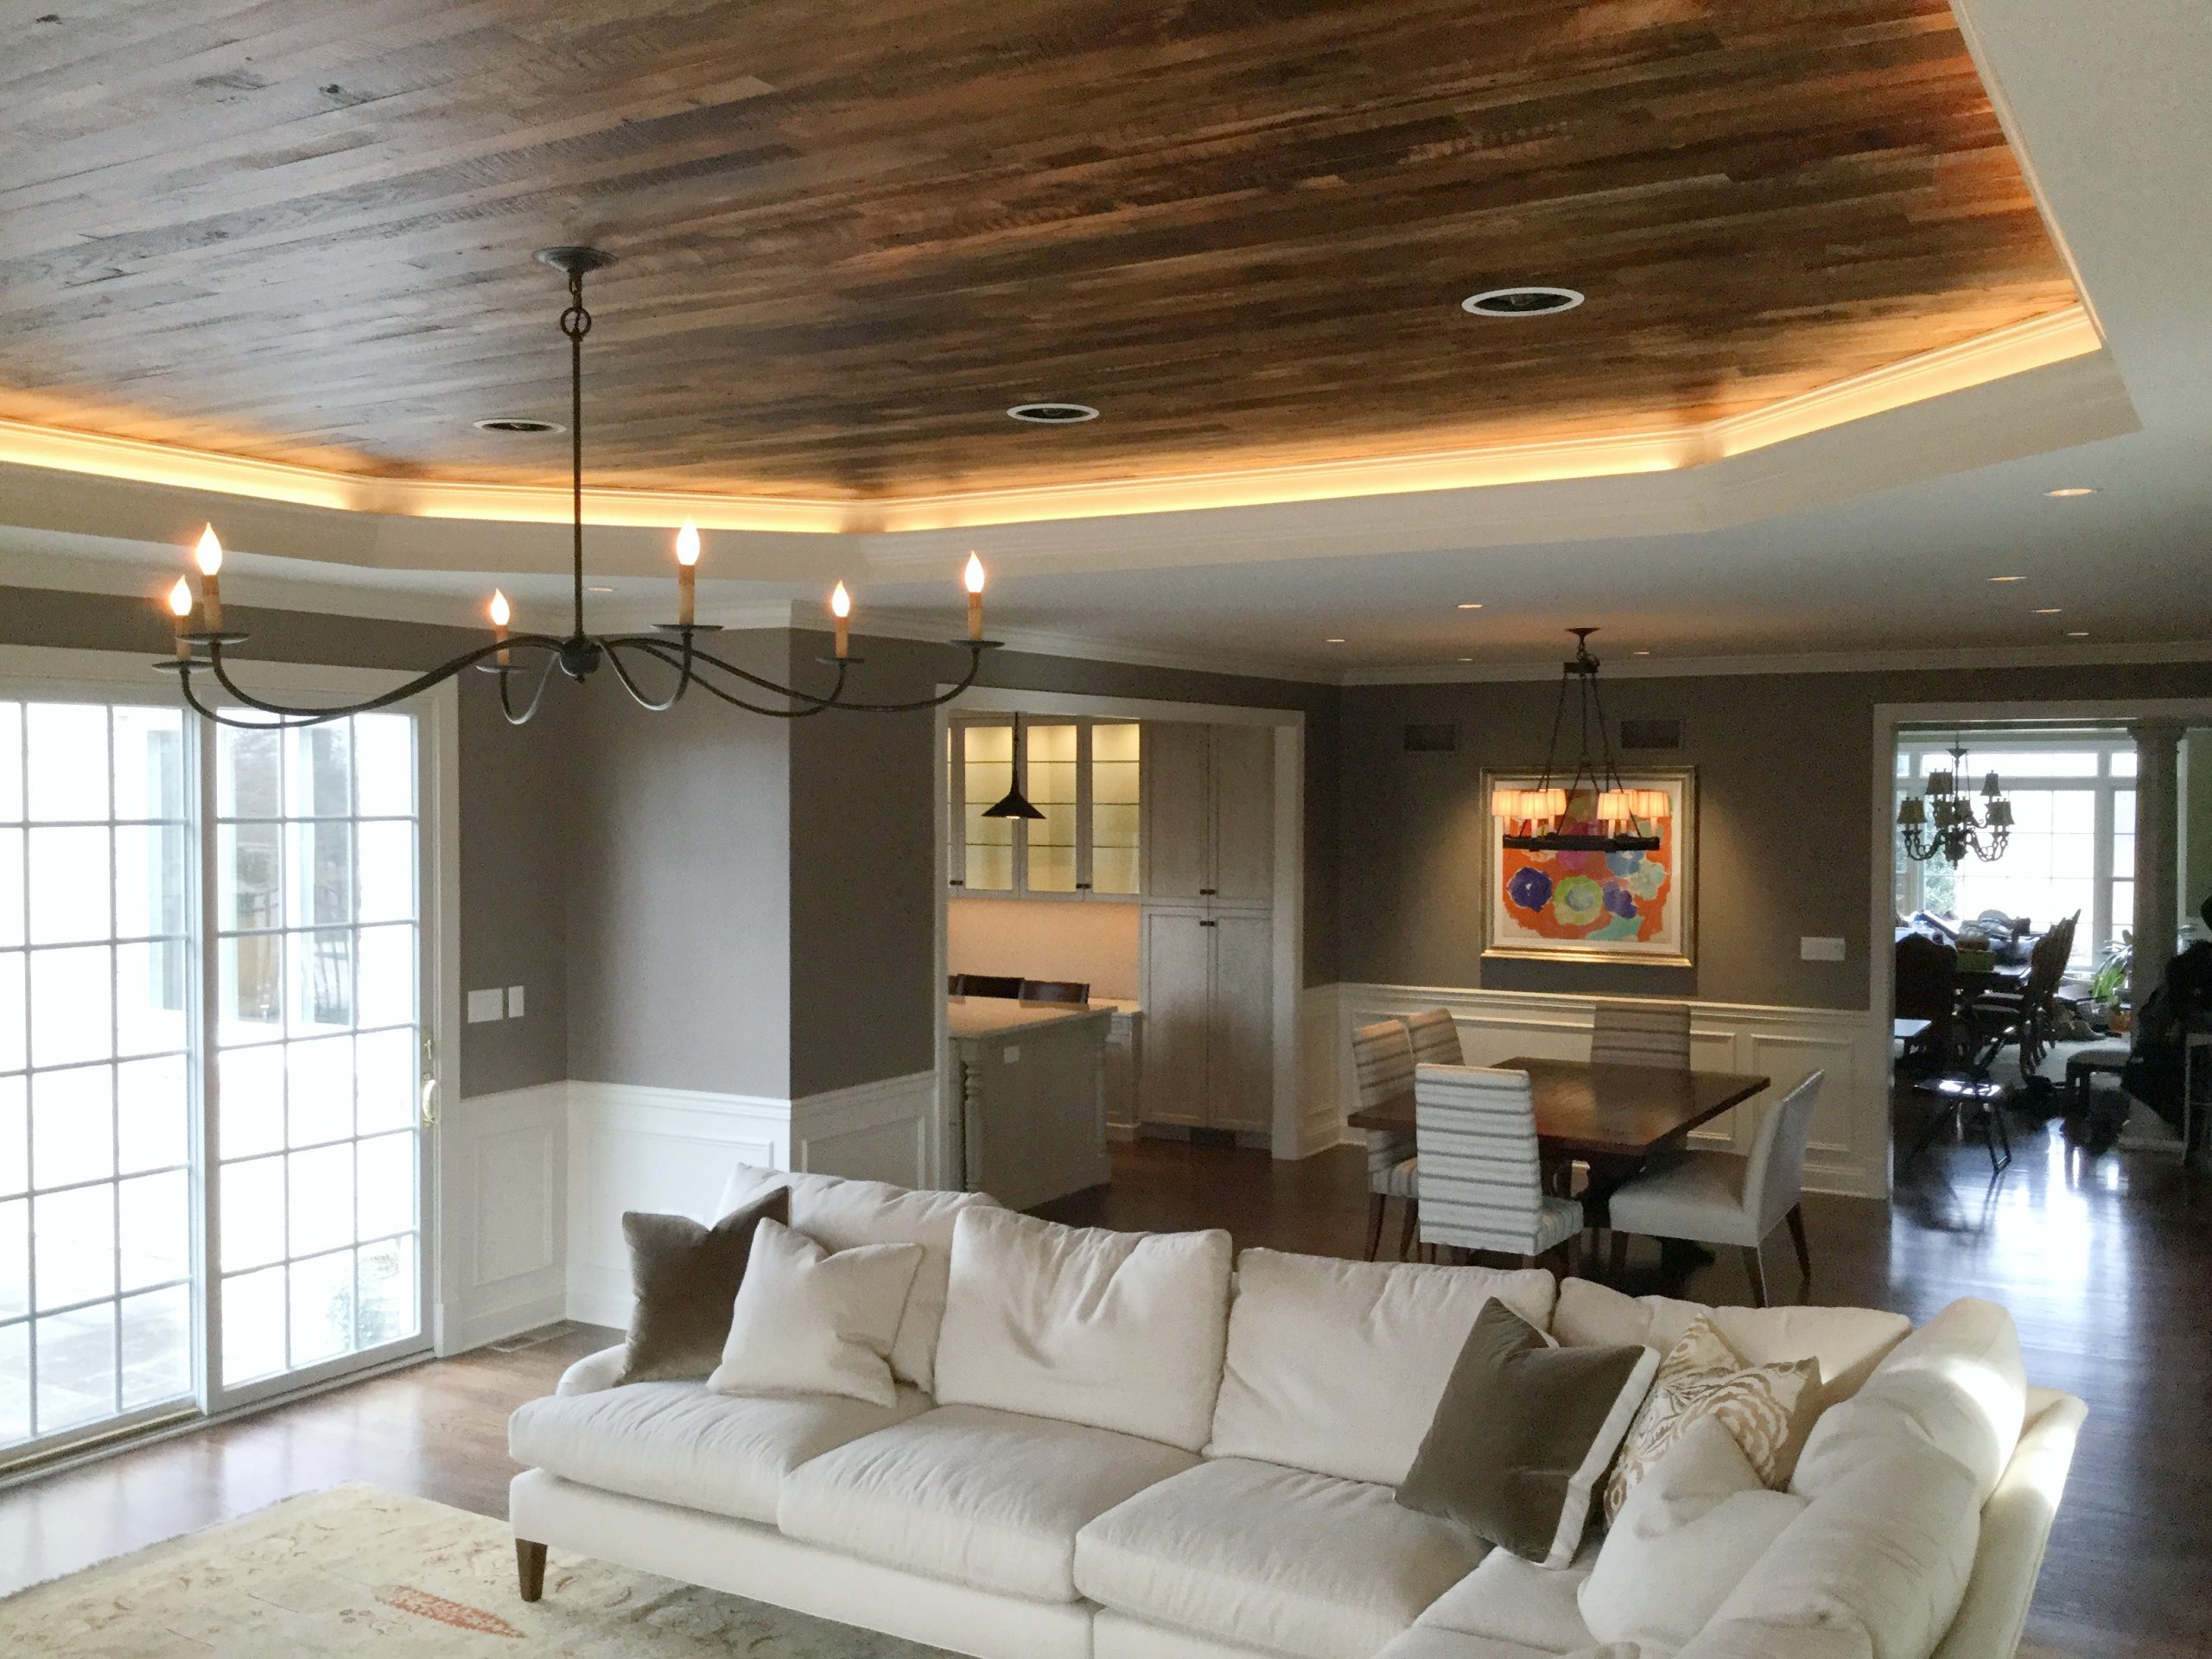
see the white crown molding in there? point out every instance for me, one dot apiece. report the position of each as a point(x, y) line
point(2032, 344)
point(1865, 662)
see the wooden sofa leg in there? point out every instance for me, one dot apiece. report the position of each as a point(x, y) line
point(529, 1568)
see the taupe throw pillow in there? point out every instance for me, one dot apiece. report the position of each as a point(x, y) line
point(686, 1278)
point(1523, 1432)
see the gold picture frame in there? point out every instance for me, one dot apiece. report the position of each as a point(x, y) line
point(1592, 927)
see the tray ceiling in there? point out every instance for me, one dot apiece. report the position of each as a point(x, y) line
point(852, 237)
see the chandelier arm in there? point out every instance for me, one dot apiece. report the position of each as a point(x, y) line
point(506, 702)
point(656, 648)
point(299, 714)
point(684, 678)
point(656, 645)
point(976, 650)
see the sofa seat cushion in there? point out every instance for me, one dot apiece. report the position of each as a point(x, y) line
point(1509, 1600)
point(681, 1443)
point(990, 1499)
point(1273, 1558)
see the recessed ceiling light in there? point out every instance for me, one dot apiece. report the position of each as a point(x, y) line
point(2071, 492)
point(2047, 610)
point(1332, 642)
point(599, 590)
point(517, 424)
point(1471, 605)
point(1522, 300)
point(1643, 653)
point(1466, 659)
point(2077, 633)
point(1054, 413)
point(2008, 578)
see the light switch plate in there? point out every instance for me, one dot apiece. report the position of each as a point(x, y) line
point(514, 1001)
point(1816, 950)
point(487, 1005)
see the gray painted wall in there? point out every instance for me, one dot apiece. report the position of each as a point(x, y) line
point(512, 914)
point(1784, 772)
point(679, 888)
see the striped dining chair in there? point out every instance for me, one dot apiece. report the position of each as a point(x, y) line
point(1642, 1033)
point(1482, 1183)
point(1435, 1036)
point(1383, 1066)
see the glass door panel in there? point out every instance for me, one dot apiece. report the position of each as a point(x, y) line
point(987, 762)
point(1114, 806)
point(1050, 785)
point(96, 1220)
point(317, 1041)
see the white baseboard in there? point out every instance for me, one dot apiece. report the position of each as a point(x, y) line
point(1848, 1153)
point(639, 1147)
point(501, 1202)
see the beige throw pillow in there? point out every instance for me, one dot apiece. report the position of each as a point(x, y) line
point(807, 1321)
point(1767, 1409)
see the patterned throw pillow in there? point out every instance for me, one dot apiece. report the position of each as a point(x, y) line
point(1766, 1407)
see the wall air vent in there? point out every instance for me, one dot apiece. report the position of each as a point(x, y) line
point(1651, 733)
point(1432, 740)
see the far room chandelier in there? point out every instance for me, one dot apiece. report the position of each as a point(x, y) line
point(577, 654)
point(1585, 808)
point(1942, 822)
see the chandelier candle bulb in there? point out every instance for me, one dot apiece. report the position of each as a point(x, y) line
point(180, 612)
point(687, 574)
point(500, 615)
point(840, 607)
point(973, 578)
point(210, 555)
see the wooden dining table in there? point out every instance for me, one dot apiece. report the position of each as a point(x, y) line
point(1612, 1118)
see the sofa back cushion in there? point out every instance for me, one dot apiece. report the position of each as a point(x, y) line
point(842, 1215)
point(1118, 1330)
point(1849, 1342)
point(1955, 1386)
point(1337, 1366)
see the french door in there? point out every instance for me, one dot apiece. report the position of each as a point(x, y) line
point(213, 1172)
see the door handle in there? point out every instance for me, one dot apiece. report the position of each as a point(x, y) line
point(1206, 924)
point(429, 1108)
point(1206, 893)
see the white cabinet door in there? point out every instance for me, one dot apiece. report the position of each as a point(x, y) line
point(1178, 840)
point(1240, 1091)
point(1244, 815)
point(1177, 999)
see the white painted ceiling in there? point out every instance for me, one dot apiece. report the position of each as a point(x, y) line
point(1809, 548)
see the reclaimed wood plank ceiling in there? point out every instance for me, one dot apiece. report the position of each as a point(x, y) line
point(852, 235)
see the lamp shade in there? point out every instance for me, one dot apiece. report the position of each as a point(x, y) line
point(1013, 804)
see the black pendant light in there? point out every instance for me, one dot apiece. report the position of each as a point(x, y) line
point(1013, 804)
point(1581, 805)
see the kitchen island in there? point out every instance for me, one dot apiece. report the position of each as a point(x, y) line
point(1026, 1097)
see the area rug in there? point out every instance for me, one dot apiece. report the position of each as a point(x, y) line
point(357, 1570)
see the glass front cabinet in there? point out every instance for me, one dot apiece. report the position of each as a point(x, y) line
point(1081, 774)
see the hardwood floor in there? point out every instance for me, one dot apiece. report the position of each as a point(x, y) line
point(2104, 1262)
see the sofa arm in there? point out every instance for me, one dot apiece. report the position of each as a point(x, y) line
point(593, 1373)
point(2015, 1527)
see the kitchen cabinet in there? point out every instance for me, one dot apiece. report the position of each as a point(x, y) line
point(1207, 1060)
point(1085, 775)
point(1209, 814)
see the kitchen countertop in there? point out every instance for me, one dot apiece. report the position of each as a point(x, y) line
point(987, 1016)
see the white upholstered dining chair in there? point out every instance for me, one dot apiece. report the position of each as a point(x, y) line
point(1383, 1066)
point(1722, 1197)
point(1482, 1182)
point(1641, 1034)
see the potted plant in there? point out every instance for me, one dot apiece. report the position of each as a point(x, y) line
point(2111, 979)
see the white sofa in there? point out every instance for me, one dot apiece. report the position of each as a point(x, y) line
point(1103, 1448)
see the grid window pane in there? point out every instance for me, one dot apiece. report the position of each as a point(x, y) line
point(12, 919)
point(157, 1338)
point(65, 768)
point(73, 1126)
point(76, 1367)
point(315, 906)
point(72, 1009)
point(73, 1245)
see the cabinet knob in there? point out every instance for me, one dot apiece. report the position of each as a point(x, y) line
point(1206, 893)
point(1083, 886)
point(1205, 923)
point(956, 882)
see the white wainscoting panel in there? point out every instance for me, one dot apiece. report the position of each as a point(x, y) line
point(1848, 1152)
point(667, 1150)
point(502, 1198)
point(881, 1131)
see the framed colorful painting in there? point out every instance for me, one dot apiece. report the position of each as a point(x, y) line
point(1573, 906)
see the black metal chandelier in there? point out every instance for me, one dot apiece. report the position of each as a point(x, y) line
point(1942, 822)
point(672, 645)
point(1585, 809)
